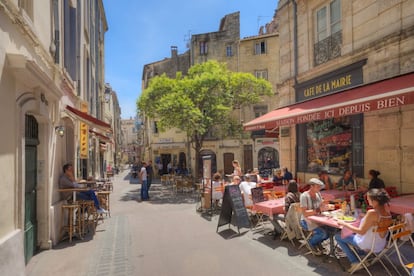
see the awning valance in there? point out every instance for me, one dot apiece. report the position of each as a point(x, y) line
point(384, 94)
point(102, 138)
point(88, 119)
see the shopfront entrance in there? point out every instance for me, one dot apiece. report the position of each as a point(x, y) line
point(30, 218)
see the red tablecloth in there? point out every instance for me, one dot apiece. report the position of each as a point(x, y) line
point(270, 207)
point(321, 219)
point(335, 194)
point(402, 205)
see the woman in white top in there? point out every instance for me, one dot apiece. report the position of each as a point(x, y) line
point(237, 168)
point(363, 235)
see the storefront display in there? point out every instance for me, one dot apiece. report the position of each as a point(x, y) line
point(329, 145)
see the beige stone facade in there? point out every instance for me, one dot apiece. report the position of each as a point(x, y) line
point(47, 75)
point(380, 32)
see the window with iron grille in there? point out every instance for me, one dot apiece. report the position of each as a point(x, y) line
point(328, 36)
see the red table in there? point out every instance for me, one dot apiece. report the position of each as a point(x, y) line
point(336, 194)
point(270, 207)
point(402, 205)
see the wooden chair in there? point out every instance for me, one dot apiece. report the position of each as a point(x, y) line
point(88, 215)
point(164, 179)
point(104, 201)
point(73, 223)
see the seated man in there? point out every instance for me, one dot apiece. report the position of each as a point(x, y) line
point(67, 181)
point(246, 187)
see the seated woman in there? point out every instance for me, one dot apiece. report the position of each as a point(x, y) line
point(324, 177)
point(292, 196)
point(363, 235)
point(375, 181)
point(278, 178)
point(311, 203)
point(346, 182)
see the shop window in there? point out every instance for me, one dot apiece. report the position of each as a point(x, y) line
point(328, 36)
point(332, 145)
point(267, 160)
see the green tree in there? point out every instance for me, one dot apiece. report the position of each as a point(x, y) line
point(201, 102)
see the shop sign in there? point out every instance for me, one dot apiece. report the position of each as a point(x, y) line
point(84, 136)
point(266, 142)
point(338, 80)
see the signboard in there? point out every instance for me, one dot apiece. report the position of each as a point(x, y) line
point(335, 81)
point(84, 136)
point(233, 208)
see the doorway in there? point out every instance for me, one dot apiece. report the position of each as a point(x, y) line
point(30, 215)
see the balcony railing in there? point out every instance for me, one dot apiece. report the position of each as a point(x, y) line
point(328, 49)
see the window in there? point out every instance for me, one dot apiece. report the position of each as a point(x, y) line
point(329, 145)
point(328, 35)
point(260, 48)
point(155, 127)
point(229, 51)
point(261, 74)
point(259, 110)
point(203, 48)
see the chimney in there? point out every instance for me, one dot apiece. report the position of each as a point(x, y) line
point(174, 51)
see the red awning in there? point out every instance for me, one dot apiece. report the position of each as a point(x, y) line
point(388, 93)
point(88, 119)
point(101, 137)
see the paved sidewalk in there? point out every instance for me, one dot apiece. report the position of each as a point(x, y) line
point(166, 236)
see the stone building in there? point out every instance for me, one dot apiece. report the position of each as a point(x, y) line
point(259, 56)
point(171, 145)
point(131, 146)
point(256, 55)
point(52, 91)
point(346, 89)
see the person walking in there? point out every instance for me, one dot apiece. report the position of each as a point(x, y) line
point(150, 174)
point(144, 186)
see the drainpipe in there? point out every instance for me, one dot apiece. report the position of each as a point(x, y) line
point(295, 65)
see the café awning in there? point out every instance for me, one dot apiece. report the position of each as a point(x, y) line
point(380, 95)
point(88, 119)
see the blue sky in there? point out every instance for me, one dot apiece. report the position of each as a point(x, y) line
point(142, 32)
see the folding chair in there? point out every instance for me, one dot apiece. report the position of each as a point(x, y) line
point(292, 225)
point(371, 256)
point(304, 235)
point(399, 235)
point(257, 196)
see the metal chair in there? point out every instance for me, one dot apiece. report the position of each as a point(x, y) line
point(371, 256)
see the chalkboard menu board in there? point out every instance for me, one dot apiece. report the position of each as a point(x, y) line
point(233, 206)
point(257, 194)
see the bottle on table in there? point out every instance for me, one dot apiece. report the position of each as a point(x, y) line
point(363, 207)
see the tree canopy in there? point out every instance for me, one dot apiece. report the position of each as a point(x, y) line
point(202, 101)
